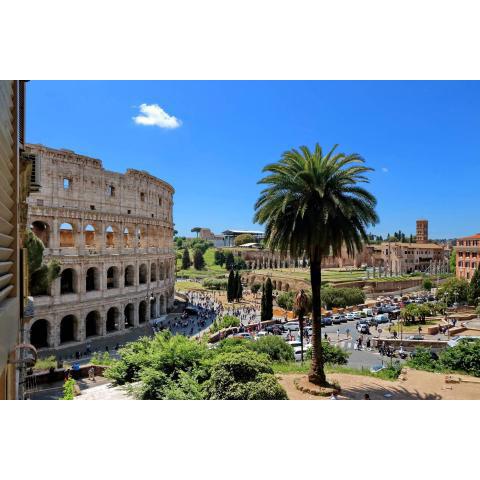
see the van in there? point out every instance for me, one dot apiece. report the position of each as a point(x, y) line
point(368, 312)
point(383, 318)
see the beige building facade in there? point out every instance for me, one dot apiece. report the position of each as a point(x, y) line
point(113, 236)
point(468, 256)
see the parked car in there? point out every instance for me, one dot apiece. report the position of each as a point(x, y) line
point(350, 316)
point(357, 315)
point(343, 318)
point(336, 320)
point(326, 321)
point(261, 333)
point(244, 335)
point(415, 337)
point(383, 318)
point(291, 326)
point(363, 328)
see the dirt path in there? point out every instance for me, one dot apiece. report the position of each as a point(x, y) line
point(416, 385)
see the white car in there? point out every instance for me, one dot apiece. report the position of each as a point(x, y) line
point(297, 352)
point(295, 343)
point(350, 316)
point(292, 326)
point(357, 315)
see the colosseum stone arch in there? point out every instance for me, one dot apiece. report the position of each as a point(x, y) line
point(113, 235)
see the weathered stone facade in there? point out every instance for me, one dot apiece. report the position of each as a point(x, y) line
point(113, 235)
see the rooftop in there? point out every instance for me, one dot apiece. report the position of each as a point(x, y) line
point(471, 237)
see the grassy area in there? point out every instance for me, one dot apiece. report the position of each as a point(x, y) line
point(186, 285)
point(298, 367)
point(210, 270)
point(414, 328)
point(45, 363)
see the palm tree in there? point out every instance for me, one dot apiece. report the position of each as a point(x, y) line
point(313, 205)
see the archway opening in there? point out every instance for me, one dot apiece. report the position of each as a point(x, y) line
point(126, 238)
point(112, 319)
point(109, 237)
point(112, 277)
point(162, 305)
point(92, 324)
point(142, 274)
point(142, 311)
point(153, 272)
point(92, 279)
point(67, 280)
point(39, 333)
point(66, 235)
point(68, 329)
point(129, 276)
point(153, 308)
point(129, 313)
point(90, 236)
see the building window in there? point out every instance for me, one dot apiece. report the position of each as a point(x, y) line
point(460, 264)
point(67, 184)
point(111, 191)
point(129, 212)
point(160, 201)
point(92, 207)
point(142, 196)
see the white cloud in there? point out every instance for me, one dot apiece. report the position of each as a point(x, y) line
point(155, 115)
point(384, 169)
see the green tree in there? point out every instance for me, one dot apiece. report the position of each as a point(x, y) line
point(196, 230)
point(186, 262)
point(229, 261)
point(453, 261)
point(286, 300)
point(474, 288)
point(267, 301)
point(231, 287)
point(314, 205)
point(427, 284)
point(238, 287)
point(219, 257)
point(244, 238)
point(255, 288)
point(40, 274)
point(198, 260)
point(453, 289)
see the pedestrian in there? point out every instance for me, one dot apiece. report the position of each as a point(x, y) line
point(419, 330)
point(91, 373)
point(347, 331)
point(338, 333)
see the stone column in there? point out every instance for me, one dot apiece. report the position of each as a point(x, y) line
point(55, 236)
point(80, 237)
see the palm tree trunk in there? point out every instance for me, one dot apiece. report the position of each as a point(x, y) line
point(317, 374)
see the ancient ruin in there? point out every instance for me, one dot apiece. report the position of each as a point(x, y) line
point(113, 235)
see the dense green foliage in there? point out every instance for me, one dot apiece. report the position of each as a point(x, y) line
point(215, 283)
point(198, 260)
point(229, 261)
point(199, 244)
point(332, 354)
point(244, 238)
point(277, 349)
point(186, 262)
point(474, 288)
point(219, 257)
point(101, 359)
point(266, 311)
point(226, 321)
point(41, 275)
point(255, 287)
point(453, 261)
point(68, 389)
point(238, 287)
point(453, 289)
point(342, 297)
point(286, 300)
point(45, 363)
point(243, 375)
point(176, 367)
point(427, 284)
point(463, 357)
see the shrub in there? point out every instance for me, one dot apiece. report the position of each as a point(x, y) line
point(331, 354)
point(242, 376)
point(226, 321)
point(219, 257)
point(465, 356)
point(244, 238)
point(255, 287)
point(215, 283)
point(103, 359)
point(198, 260)
point(45, 363)
point(68, 389)
point(286, 300)
point(342, 297)
point(275, 347)
point(422, 360)
point(427, 284)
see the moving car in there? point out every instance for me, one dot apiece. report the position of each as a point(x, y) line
point(244, 335)
point(415, 337)
point(292, 326)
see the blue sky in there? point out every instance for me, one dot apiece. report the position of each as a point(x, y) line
point(422, 138)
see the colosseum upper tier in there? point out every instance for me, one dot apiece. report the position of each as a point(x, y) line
point(112, 234)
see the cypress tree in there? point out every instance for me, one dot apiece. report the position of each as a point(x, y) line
point(474, 288)
point(262, 304)
point(268, 299)
point(198, 260)
point(186, 262)
point(238, 287)
point(231, 287)
point(229, 261)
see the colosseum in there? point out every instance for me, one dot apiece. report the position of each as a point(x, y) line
point(112, 234)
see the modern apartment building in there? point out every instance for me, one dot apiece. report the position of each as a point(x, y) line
point(468, 249)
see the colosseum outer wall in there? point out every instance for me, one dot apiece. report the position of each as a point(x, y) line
point(113, 235)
